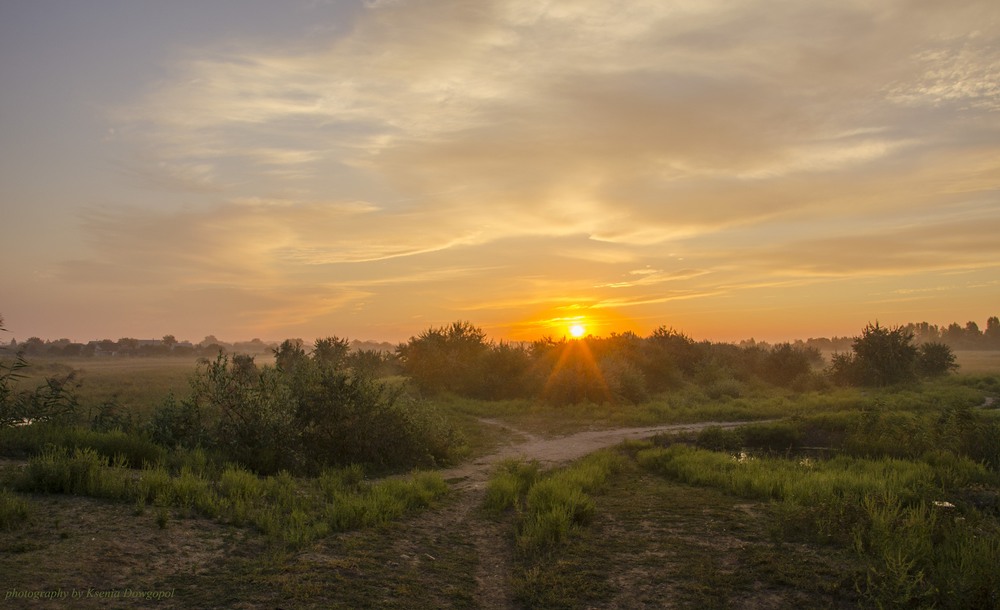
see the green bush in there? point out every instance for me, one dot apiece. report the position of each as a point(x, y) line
point(715, 438)
point(776, 437)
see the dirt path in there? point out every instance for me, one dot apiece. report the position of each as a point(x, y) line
point(469, 480)
point(553, 451)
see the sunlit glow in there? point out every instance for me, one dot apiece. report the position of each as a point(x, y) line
point(577, 330)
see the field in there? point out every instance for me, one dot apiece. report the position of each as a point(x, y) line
point(838, 498)
point(972, 362)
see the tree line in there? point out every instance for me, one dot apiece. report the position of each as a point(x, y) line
point(956, 336)
point(168, 345)
point(627, 368)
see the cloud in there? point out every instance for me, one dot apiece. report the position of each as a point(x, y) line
point(769, 143)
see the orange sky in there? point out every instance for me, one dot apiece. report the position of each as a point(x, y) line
point(304, 169)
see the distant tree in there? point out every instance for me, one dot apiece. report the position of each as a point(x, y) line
point(972, 330)
point(289, 355)
point(935, 360)
point(446, 359)
point(34, 346)
point(954, 335)
point(667, 357)
point(881, 356)
point(992, 333)
point(169, 341)
point(331, 352)
point(785, 363)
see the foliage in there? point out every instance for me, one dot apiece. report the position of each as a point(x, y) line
point(618, 369)
point(446, 359)
point(886, 356)
point(302, 415)
point(935, 360)
point(52, 401)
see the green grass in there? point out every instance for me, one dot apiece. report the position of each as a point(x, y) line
point(552, 506)
point(284, 508)
point(25, 441)
point(886, 509)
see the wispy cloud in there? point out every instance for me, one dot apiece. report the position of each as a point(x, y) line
point(770, 142)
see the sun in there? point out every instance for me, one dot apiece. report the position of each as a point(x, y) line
point(577, 330)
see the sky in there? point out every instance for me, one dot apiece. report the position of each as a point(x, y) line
point(774, 169)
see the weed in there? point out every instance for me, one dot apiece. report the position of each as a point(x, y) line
point(510, 482)
point(162, 517)
point(549, 507)
point(13, 510)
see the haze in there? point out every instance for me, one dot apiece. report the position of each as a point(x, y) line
point(371, 169)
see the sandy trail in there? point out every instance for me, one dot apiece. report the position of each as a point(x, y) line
point(553, 451)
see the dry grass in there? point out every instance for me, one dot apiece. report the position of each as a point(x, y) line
point(978, 362)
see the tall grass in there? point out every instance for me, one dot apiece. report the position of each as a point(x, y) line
point(287, 509)
point(13, 510)
point(550, 507)
point(509, 484)
point(25, 441)
point(922, 550)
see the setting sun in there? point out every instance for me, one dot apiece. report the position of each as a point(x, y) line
point(577, 330)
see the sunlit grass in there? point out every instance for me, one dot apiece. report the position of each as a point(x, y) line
point(292, 510)
point(550, 506)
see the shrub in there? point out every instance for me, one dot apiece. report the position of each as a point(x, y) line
point(881, 357)
point(715, 438)
point(771, 437)
point(935, 360)
point(178, 424)
point(54, 400)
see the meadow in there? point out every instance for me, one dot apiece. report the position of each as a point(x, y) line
point(831, 497)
